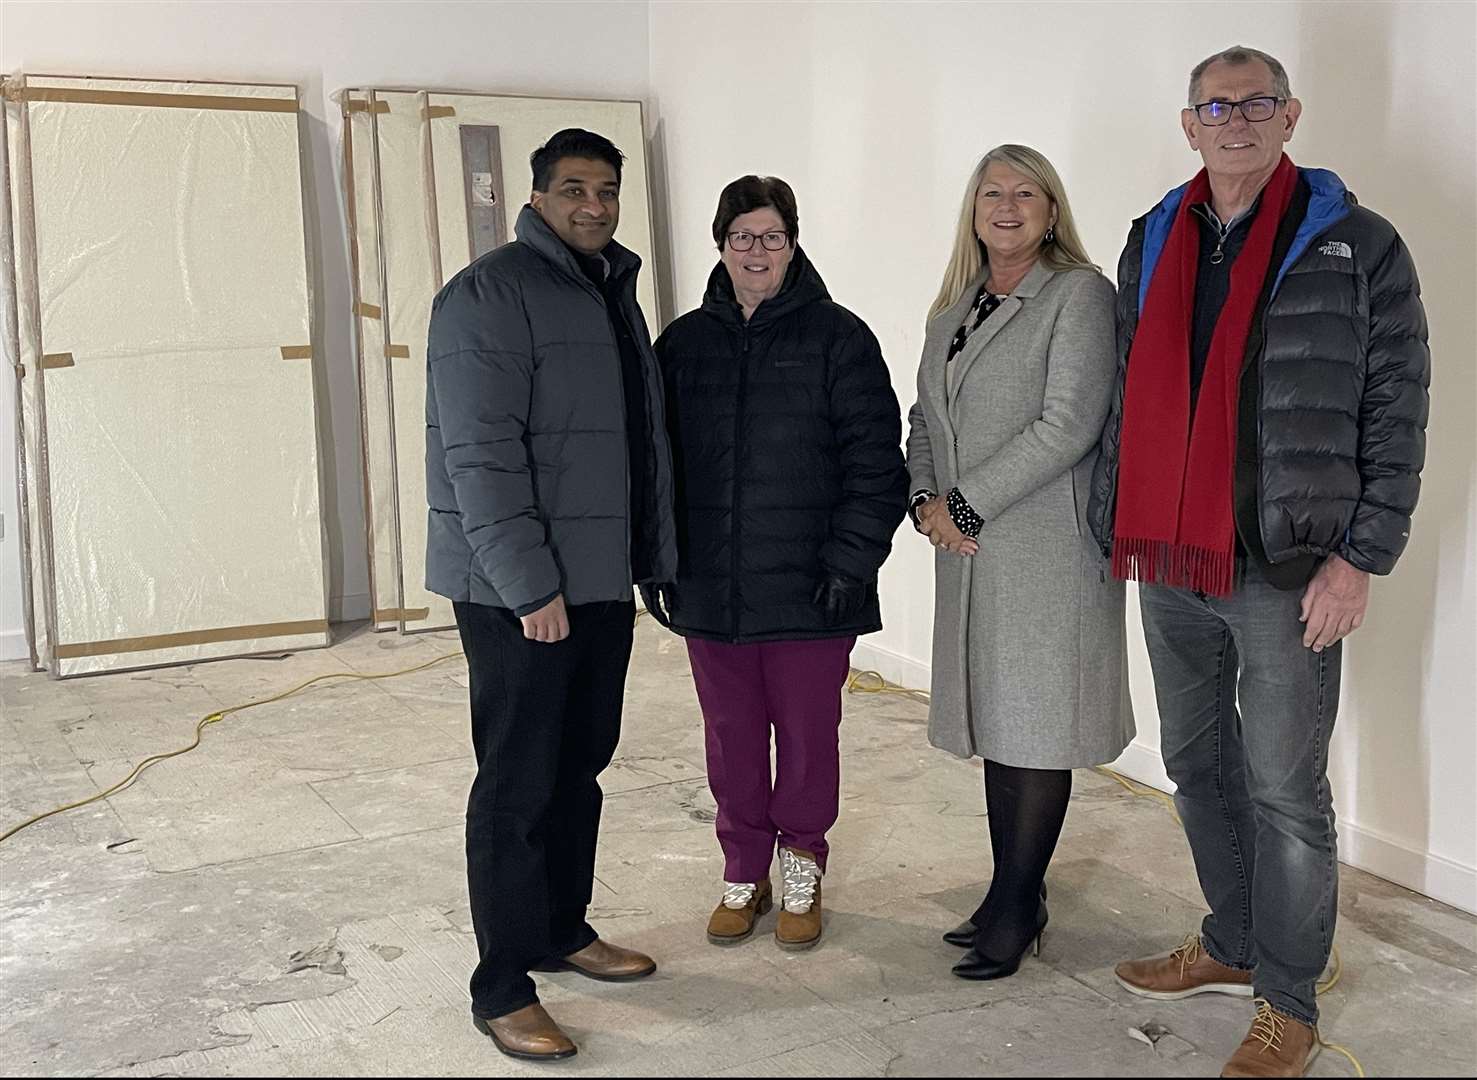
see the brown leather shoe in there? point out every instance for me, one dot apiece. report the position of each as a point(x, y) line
point(1276, 1045)
point(1185, 972)
point(604, 961)
point(528, 1034)
point(799, 923)
point(733, 919)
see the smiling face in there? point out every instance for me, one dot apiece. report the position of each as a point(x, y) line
point(757, 274)
point(583, 203)
point(1239, 148)
point(1011, 214)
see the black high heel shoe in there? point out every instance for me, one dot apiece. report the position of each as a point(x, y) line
point(962, 935)
point(976, 966)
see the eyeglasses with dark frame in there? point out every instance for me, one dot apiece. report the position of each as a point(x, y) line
point(771, 241)
point(1255, 109)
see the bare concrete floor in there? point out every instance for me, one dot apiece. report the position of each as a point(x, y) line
point(289, 900)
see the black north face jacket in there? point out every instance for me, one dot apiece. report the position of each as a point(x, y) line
point(1334, 396)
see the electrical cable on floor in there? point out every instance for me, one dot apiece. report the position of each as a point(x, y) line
point(216, 718)
point(872, 682)
point(206, 721)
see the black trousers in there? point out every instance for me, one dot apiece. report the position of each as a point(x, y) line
point(545, 722)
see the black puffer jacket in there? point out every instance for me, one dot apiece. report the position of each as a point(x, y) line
point(1340, 383)
point(786, 447)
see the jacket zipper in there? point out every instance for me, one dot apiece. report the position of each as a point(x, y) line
point(625, 422)
point(738, 458)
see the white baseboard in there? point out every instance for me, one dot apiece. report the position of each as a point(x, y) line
point(1362, 848)
point(1142, 762)
point(892, 666)
point(1431, 875)
point(13, 645)
point(352, 608)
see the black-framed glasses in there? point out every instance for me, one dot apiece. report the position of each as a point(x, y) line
point(1255, 109)
point(772, 241)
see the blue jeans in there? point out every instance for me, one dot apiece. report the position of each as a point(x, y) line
point(1253, 788)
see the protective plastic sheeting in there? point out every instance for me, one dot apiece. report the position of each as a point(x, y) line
point(449, 177)
point(172, 466)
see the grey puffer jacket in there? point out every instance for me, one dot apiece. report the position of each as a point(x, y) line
point(1339, 384)
point(526, 457)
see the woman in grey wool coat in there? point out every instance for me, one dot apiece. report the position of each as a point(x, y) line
point(1029, 668)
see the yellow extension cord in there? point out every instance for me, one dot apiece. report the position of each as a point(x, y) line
point(861, 682)
point(205, 722)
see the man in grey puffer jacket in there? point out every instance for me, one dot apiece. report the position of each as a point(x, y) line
point(549, 479)
point(1309, 422)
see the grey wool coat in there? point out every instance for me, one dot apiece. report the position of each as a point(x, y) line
point(1029, 661)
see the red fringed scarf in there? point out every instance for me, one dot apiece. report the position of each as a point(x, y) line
point(1173, 524)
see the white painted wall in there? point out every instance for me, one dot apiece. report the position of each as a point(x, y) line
point(876, 113)
point(593, 49)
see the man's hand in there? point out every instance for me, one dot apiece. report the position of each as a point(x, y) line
point(549, 623)
point(935, 523)
point(1333, 603)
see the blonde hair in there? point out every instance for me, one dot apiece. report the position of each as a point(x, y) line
point(1064, 251)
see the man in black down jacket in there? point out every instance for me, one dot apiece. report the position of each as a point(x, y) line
point(790, 483)
point(1329, 400)
point(550, 488)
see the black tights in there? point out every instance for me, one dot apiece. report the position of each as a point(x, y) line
point(1025, 808)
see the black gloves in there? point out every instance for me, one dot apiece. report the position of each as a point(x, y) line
point(660, 600)
point(840, 598)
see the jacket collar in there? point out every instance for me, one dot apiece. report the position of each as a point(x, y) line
point(1329, 203)
point(802, 286)
point(534, 232)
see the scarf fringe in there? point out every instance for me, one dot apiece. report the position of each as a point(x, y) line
point(1179, 566)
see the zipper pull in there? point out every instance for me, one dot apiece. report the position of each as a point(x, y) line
point(1218, 256)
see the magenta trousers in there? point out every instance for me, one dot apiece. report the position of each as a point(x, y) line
point(795, 688)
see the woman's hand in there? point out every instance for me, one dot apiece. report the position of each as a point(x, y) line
point(935, 523)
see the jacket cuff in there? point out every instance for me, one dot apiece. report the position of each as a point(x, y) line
point(529, 609)
point(965, 519)
point(917, 499)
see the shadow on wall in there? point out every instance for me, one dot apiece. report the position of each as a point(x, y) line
point(1383, 747)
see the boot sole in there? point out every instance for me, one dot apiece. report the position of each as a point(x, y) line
point(1230, 989)
point(798, 946)
point(725, 940)
point(522, 1055)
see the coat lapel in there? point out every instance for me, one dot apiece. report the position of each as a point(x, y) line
point(1029, 287)
point(940, 333)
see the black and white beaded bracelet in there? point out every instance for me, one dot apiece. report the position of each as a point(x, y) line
point(965, 519)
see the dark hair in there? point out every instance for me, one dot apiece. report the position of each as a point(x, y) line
point(572, 143)
point(755, 193)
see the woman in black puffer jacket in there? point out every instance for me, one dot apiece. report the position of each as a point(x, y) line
point(790, 483)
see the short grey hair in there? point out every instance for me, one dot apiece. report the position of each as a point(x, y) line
point(1241, 54)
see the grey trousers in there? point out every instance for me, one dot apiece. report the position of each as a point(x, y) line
point(1252, 781)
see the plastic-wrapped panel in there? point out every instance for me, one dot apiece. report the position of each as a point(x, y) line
point(411, 285)
point(360, 189)
point(180, 494)
point(21, 338)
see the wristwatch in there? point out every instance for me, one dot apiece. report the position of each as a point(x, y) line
point(917, 499)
